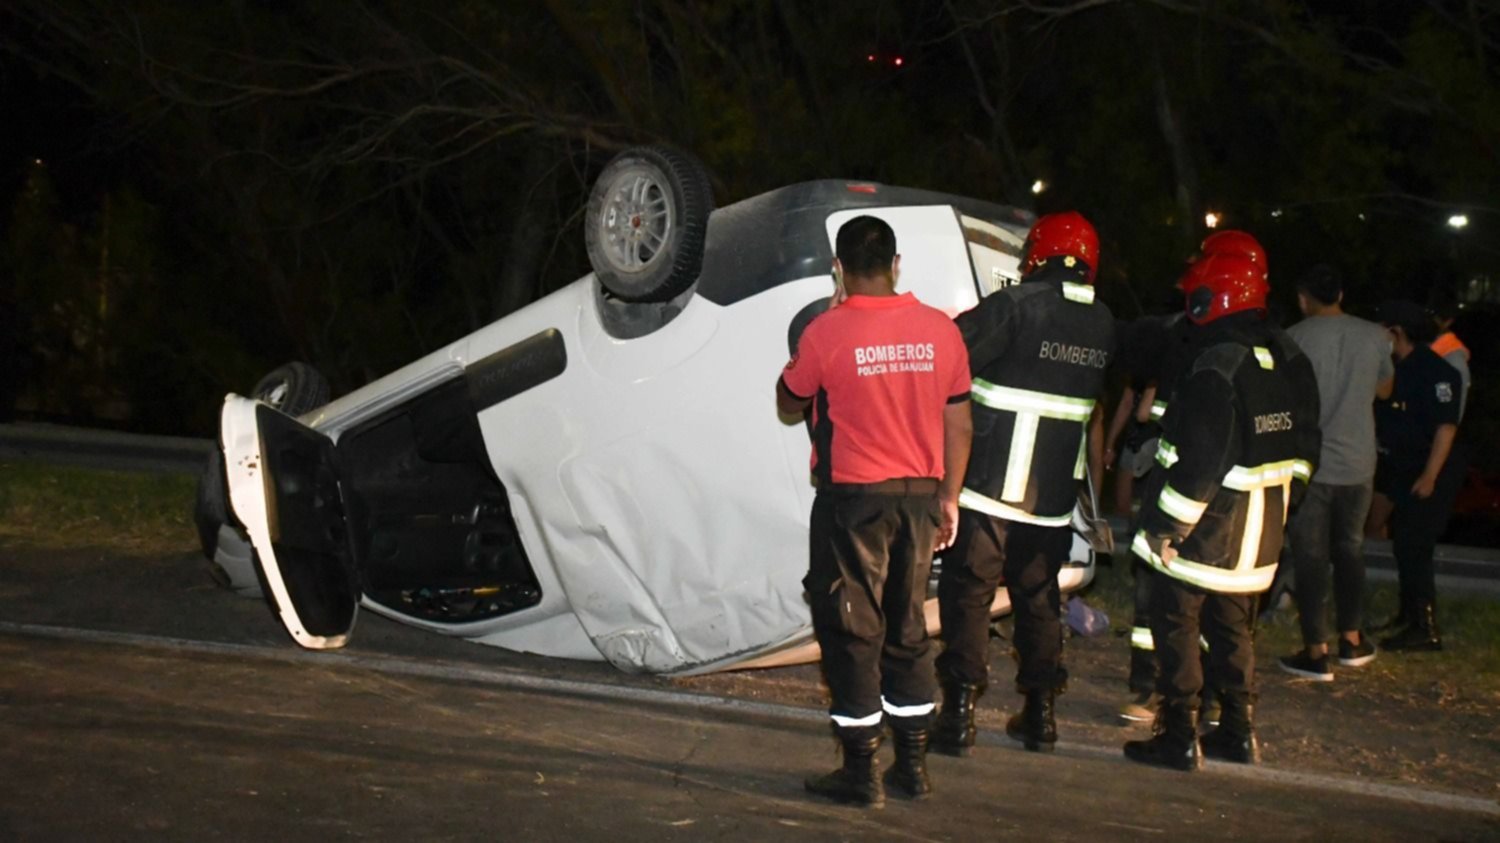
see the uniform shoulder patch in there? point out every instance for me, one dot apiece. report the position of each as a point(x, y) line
point(1444, 392)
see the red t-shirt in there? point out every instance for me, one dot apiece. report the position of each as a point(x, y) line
point(881, 369)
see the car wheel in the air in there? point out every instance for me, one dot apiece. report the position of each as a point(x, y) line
point(647, 222)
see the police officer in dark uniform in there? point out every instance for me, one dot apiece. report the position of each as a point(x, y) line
point(1418, 468)
point(1240, 434)
point(1038, 351)
point(886, 378)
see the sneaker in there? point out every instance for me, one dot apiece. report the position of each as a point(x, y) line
point(1140, 708)
point(1356, 655)
point(1307, 667)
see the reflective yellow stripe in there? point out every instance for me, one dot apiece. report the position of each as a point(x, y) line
point(1166, 453)
point(1263, 356)
point(1203, 643)
point(1083, 444)
point(1255, 524)
point(1302, 470)
point(1043, 404)
point(1243, 479)
point(1158, 409)
point(1140, 638)
point(1206, 576)
point(1180, 506)
point(1078, 292)
point(1018, 464)
point(972, 500)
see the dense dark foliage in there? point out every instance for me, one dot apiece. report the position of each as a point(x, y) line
point(195, 193)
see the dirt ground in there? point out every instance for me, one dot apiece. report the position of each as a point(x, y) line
point(1400, 719)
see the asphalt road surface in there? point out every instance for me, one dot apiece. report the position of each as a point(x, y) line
point(137, 701)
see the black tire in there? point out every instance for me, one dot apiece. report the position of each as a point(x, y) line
point(647, 223)
point(294, 389)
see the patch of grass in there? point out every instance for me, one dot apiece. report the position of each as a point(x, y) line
point(1467, 668)
point(57, 507)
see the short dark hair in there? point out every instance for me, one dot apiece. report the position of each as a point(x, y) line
point(1322, 283)
point(1442, 302)
point(1410, 317)
point(865, 246)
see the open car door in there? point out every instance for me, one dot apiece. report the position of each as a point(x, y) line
point(284, 489)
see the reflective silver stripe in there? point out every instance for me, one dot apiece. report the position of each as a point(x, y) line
point(1083, 446)
point(1263, 356)
point(1302, 470)
point(1243, 479)
point(972, 500)
point(1140, 638)
point(1045, 404)
point(1255, 524)
point(1180, 506)
point(871, 720)
point(1078, 292)
point(1206, 576)
point(1166, 453)
point(1203, 643)
point(1018, 464)
point(1158, 409)
point(906, 710)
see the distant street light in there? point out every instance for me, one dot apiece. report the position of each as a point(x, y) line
point(1458, 221)
point(1038, 186)
point(1211, 219)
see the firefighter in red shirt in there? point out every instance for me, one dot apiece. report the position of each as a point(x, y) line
point(887, 379)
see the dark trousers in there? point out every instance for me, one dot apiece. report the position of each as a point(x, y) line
point(1180, 613)
point(1416, 525)
point(1329, 527)
point(869, 560)
point(1142, 657)
point(1029, 558)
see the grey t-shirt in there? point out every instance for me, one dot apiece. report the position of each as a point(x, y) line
point(1350, 357)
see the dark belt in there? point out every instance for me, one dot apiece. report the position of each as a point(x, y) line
point(899, 486)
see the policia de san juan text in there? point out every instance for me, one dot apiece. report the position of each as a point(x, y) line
point(1038, 352)
point(1238, 440)
point(888, 432)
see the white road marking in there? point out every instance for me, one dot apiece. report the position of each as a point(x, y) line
point(513, 678)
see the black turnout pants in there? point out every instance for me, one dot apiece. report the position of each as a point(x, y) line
point(869, 561)
point(1028, 557)
point(1180, 613)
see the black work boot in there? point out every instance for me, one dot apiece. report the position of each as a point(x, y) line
point(1420, 635)
point(1234, 739)
point(1174, 743)
point(858, 781)
point(908, 776)
point(954, 732)
point(1035, 726)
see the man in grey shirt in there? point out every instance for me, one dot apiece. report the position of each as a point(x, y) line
point(1351, 359)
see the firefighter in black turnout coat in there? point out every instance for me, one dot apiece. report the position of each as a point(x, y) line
point(1038, 351)
point(1238, 441)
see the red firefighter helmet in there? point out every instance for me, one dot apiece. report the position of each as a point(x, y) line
point(1232, 242)
point(1061, 235)
point(1217, 285)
